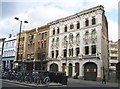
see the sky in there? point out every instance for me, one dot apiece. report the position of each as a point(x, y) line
point(41, 12)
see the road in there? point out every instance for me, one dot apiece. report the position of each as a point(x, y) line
point(72, 84)
point(83, 83)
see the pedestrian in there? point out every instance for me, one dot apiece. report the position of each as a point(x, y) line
point(104, 79)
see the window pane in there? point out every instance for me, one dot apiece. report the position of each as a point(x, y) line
point(65, 52)
point(71, 26)
point(87, 22)
point(86, 50)
point(54, 32)
point(77, 51)
point(52, 54)
point(93, 49)
point(78, 25)
point(93, 21)
point(58, 30)
point(57, 53)
point(65, 29)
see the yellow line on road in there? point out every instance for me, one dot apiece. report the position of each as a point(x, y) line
point(18, 84)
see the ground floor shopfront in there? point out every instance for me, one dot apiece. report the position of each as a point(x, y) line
point(88, 69)
point(7, 63)
point(30, 65)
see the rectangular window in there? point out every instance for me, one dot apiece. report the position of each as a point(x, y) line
point(41, 44)
point(57, 53)
point(65, 53)
point(38, 45)
point(86, 50)
point(45, 44)
point(32, 56)
point(28, 56)
point(52, 54)
point(93, 49)
point(113, 64)
point(45, 34)
point(77, 51)
point(42, 36)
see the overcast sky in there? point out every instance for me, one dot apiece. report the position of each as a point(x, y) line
point(40, 12)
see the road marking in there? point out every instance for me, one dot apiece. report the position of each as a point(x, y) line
point(17, 84)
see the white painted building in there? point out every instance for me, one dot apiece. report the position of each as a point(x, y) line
point(113, 59)
point(8, 52)
point(113, 55)
point(1, 52)
point(86, 34)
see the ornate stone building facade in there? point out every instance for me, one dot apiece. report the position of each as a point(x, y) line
point(81, 42)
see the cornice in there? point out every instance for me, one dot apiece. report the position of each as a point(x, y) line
point(79, 14)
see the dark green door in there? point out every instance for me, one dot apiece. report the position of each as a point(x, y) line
point(53, 67)
point(70, 70)
point(90, 71)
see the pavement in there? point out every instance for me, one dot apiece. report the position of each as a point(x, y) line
point(71, 82)
point(108, 84)
point(31, 84)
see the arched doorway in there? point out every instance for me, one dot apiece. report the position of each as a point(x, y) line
point(53, 67)
point(90, 71)
point(70, 70)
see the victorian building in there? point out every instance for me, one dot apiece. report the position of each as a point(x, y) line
point(81, 42)
point(8, 53)
point(33, 47)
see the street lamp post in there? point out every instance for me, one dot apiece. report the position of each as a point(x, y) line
point(19, 35)
point(66, 58)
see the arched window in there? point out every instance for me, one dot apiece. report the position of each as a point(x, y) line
point(65, 39)
point(53, 32)
point(86, 35)
point(93, 20)
point(71, 38)
point(93, 33)
point(86, 22)
point(71, 52)
point(65, 28)
point(53, 41)
point(71, 26)
point(57, 41)
point(77, 37)
point(78, 25)
point(58, 30)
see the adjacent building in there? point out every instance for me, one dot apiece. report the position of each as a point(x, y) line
point(113, 59)
point(8, 53)
point(119, 50)
point(1, 51)
point(80, 41)
point(33, 49)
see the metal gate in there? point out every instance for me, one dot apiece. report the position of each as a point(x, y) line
point(90, 71)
